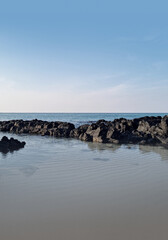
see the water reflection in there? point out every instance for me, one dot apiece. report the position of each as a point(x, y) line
point(163, 152)
point(28, 171)
point(5, 151)
point(103, 146)
point(144, 149)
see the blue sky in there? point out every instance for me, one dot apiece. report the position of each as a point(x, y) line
point(83, 56)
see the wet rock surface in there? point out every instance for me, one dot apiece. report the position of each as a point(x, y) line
point(145, 130)
point(10, 145)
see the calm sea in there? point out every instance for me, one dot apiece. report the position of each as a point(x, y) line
point(76, 118)
point(66, 189)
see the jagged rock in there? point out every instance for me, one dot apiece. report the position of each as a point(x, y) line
point(85, 137)
point(75, 133)
point(9, 145)
point(144, 130)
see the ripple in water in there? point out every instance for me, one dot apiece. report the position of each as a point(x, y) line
point(69, 189)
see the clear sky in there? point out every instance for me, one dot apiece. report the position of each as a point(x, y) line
point(84, 56)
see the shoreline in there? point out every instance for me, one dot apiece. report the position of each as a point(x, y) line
point(145, 130)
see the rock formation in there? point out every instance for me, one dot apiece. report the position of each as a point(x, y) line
point(145, 130)
point(9, 145)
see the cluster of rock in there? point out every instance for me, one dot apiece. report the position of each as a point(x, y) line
point(44, 128)
point(10, 145)
point(145, 130)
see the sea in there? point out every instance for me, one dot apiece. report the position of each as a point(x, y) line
point(67, 189)
point(76, 118)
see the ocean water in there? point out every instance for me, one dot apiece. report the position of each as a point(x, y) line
point(76, 118)
point(66, 189)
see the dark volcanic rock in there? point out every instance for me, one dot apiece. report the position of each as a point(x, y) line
point(9, 145)
point(145, 130)
point(57, 129)
point(75, 133)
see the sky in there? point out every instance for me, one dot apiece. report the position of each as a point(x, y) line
point(83, 56)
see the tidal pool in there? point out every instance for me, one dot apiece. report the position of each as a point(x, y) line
point(66, 189)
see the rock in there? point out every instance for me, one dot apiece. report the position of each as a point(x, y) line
point(85, 137)
point(115, 141)
point(144, 130)
point(9, 145)
point(58, 129)
point(76, 132)
point(99, 135)
point(164, 125)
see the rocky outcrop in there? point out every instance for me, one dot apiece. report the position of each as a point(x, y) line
point(57, 129)
point(10, 145)
point(145, 130)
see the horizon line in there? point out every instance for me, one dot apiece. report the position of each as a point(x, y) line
point(80, 112)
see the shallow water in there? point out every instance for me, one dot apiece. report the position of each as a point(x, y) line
point(69, 189)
